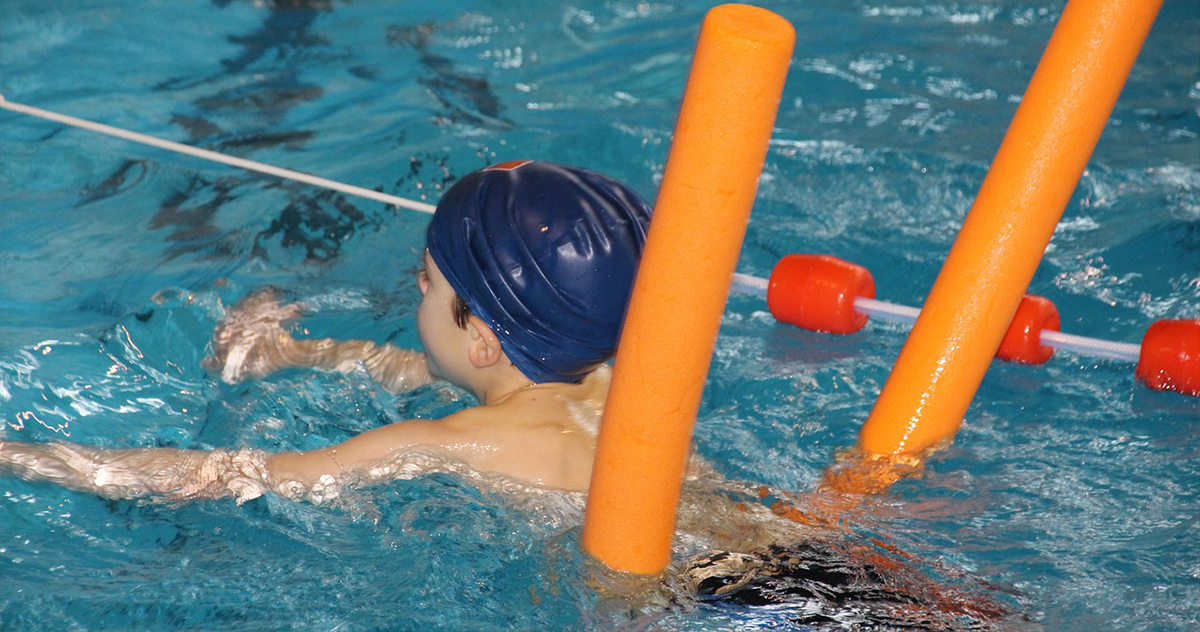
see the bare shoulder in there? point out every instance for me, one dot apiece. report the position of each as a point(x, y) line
point(557, 406)
point(527, 418)
point(544, 437)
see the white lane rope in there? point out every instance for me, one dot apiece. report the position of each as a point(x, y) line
point(205, 154)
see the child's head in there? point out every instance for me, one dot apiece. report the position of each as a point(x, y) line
point(545, 254)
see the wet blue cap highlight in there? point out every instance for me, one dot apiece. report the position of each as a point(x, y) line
point(546, 255)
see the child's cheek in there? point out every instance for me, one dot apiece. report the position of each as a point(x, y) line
point(425, 331)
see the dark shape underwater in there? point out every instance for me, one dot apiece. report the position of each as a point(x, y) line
point(828, 584)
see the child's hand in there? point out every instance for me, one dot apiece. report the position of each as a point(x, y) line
point(162, 474)
point(251, 341)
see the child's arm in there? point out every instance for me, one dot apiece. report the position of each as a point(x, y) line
point(164, 473)
point(252, 342)
point(173, 474)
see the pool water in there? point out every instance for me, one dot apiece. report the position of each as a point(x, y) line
point(1071, 494)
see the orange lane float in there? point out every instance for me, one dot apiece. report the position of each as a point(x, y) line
point(817, 292)
point(1022, 341)
point(1170, 356)
point(1002, 240)
point(700, 218)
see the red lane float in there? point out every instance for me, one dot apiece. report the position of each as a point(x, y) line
point(818, 293)
point(1023, 340)
point(1170, 358)
point(827, 301)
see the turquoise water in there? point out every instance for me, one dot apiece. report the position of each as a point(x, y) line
point(1071, 490)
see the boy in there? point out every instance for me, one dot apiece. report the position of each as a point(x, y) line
point(528, 270)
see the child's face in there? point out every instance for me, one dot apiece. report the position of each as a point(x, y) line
point(444, 341)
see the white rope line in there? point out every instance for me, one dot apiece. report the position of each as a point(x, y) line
point(886, 311)
point(216, 156)
point(1126, 351)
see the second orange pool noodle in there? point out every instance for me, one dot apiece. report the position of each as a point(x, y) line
point(1002, 240)
point(696, 234)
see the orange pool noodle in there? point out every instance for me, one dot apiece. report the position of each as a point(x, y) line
point(699, 222)
point(1002, 240)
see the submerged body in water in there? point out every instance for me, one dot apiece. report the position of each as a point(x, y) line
point(818, 560)
point(832, 582)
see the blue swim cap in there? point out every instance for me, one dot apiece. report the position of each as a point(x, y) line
point(545, 254)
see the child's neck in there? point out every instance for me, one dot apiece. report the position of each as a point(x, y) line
point(502, 384)
point(520, 389)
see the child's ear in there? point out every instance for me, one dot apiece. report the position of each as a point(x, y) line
point(484, 350)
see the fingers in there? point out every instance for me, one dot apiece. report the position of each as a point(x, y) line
point(251, 340)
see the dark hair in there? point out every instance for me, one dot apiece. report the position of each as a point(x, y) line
point(461, 310)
